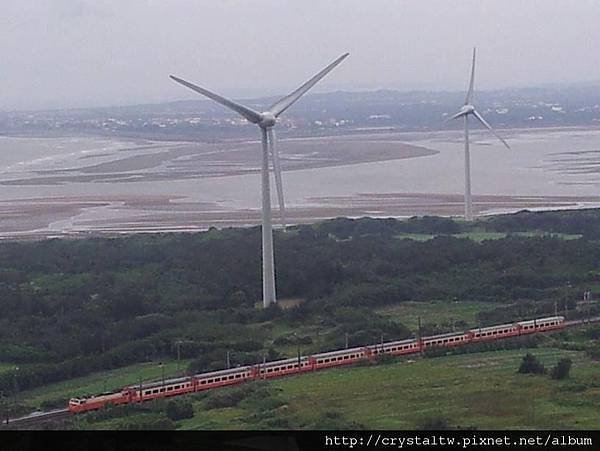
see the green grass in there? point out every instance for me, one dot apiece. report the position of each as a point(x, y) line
point(435, 312)
point(480, 390)
point(482, 236)
point(4, 367)
point(98, 382)
point(415, 236)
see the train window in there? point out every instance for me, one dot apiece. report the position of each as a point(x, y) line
point(169, 388)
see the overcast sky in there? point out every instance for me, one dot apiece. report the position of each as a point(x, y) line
point(71, 53)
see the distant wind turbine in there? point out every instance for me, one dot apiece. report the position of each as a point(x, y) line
point(464, 112)
point(266, 121)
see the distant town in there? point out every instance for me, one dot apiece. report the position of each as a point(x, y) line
point(319, 114)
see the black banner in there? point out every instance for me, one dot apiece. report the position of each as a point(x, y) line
point(295, 440)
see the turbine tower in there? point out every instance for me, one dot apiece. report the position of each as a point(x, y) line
point(466, 110)
point(266, 120)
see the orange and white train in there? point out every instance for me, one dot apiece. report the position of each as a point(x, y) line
point(278, 368)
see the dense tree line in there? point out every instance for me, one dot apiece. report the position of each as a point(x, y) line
point(68, 307)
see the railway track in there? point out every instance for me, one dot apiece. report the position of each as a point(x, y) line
point(37, 418)
point(582, 322)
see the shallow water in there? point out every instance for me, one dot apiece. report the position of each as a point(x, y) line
point(543, 162)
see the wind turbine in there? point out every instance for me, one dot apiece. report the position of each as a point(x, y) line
point(266, 121)
point(466, 110)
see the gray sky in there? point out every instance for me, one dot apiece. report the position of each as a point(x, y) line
point(71, 53)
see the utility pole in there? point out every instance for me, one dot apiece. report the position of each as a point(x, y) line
point(419, 335)
point(566, 297)
point(16, 382)
point(4, 407)
point(228, 362)
point(587, 299)
point(297, 348)
point(346, 340)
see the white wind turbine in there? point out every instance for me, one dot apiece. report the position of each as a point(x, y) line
point(464, 112)
point(266, 121)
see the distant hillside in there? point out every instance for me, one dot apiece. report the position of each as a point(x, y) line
point(552, 105)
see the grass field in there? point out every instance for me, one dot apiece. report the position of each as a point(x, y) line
point(472, 390)
point(435, 312)
point(482, 236)
point(99, 382)
point(481, 390)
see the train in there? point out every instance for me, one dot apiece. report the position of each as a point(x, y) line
point(301, 364)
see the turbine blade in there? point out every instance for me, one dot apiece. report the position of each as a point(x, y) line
point(249, 114)
point(277, 170)
point(455, 116)
point(284, 103)
point(469, 97)
point(489, 127)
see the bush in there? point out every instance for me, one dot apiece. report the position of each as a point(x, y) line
point(179, 410)
point(231, 396)
point(436, 423)
point(562, 369)
point(158, 424)
point(531, 365)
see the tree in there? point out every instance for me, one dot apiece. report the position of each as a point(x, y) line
point(531, 365)
point(562, 369)
point(179, 410)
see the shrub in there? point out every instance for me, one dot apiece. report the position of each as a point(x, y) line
point(531, 365)
point(157, 424)
point(231, 397)
point(562, 369)
point(435, 424)
point(179, 410)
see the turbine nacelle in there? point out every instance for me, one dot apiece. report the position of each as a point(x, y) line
point(267, 119)
point(467, 109)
